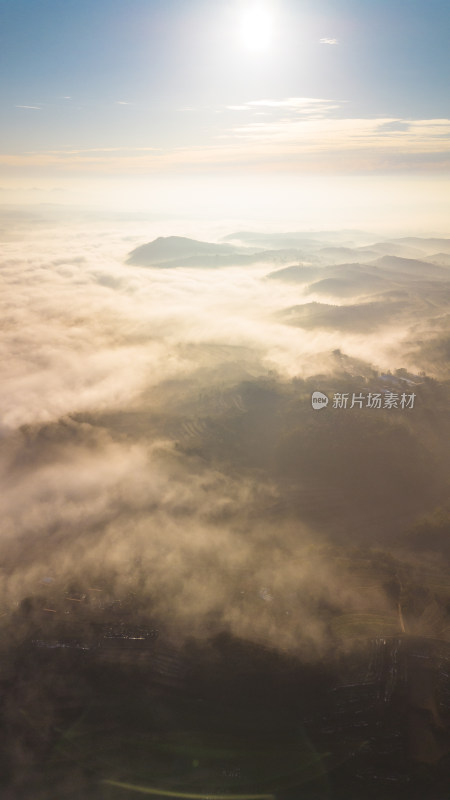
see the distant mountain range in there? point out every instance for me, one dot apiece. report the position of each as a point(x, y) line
point(178, 251)
point(251, 248)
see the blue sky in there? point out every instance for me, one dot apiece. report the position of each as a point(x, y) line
point(110, 87)
point(391, 56)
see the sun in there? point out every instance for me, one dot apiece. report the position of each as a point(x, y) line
point(256, 28)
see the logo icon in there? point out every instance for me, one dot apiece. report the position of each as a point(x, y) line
point(319, 400)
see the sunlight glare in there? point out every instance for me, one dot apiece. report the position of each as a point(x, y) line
point(256, 28)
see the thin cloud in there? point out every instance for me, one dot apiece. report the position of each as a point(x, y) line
point(328, 41)
point(396, 125)
point(301, 134)
point(291, 102)
point(37, 108)
point(104, 150)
